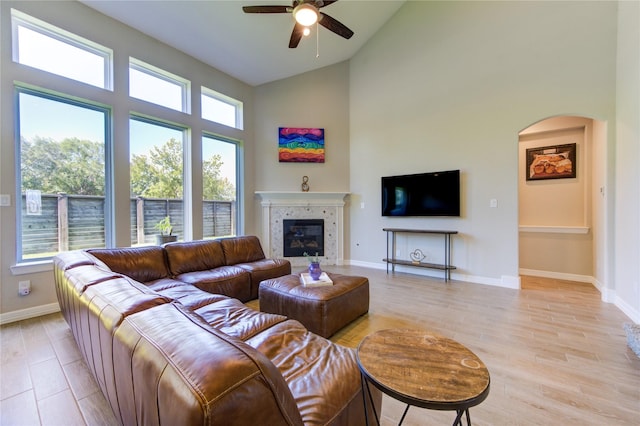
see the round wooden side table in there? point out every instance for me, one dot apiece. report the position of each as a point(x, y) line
point(423, 369)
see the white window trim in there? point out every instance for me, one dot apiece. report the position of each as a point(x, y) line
point(238, 105)
point(20, 19)
point(156, 72)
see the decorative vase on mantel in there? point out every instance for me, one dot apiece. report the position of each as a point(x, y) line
point(314, 270)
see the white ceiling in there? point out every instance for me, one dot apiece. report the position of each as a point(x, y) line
point(251, 47)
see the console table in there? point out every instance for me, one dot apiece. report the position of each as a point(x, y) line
point(391, 259)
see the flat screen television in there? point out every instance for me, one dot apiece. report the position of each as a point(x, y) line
point(423, 194)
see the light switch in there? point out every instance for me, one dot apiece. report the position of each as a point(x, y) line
point(5, 200)
point(493, 203)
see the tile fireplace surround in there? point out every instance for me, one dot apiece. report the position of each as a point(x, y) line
point(278, 205)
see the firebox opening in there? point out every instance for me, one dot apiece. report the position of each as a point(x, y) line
point(303, 235)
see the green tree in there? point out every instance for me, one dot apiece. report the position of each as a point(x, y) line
point(216, 187)
point(72, 166)
point(159, 174)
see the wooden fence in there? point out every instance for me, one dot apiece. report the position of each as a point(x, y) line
point(71, 222)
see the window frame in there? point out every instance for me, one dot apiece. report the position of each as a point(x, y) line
point(20, 19)
point(220, 97)
point(239, 162)
point(161, 74)
point(108, 161)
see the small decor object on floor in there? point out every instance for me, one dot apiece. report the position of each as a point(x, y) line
point(417, 256)
point(633, 337)
point(305, 183)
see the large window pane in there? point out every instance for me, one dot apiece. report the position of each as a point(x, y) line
point(51, 49)
point(62, 175)
point(219, 181)
point(156, 161)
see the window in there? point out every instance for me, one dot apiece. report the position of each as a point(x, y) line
point(219, 187)
point(157, 86)
point(45, 47)
point(62, 175)
point(156, 167)
point(221, 109)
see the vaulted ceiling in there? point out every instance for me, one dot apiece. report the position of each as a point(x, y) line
point(251, 47)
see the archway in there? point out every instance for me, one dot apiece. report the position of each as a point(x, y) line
point(562, 214)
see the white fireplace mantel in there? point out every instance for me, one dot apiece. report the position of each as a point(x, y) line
point(297, 198)
point(279, 205)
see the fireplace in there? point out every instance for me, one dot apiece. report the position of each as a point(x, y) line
point(302, 235)
point(278, 206)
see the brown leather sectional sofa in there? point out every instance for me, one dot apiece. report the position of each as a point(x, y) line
point(169, 341)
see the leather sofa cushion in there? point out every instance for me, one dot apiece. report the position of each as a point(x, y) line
point(243, 249)
point(228, 280)
point(189, 256)
point(234, 319)
point(322, 376)
point(142, 264)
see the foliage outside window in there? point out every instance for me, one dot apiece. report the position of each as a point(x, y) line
point(62, 175)
point(219, 181)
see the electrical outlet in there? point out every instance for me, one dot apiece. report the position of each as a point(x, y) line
point(24, 288)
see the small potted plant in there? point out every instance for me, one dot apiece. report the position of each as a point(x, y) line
point(166, 231)
point(314, 266)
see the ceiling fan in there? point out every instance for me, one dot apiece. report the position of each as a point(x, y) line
point(306, 13)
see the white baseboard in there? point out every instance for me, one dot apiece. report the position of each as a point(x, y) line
point(23, 314)
point(505, 281)
point(558, 275)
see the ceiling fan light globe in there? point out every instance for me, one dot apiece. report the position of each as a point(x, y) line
point(306, 31)
point(305, 14)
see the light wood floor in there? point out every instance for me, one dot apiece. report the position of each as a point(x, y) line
point(557, 355)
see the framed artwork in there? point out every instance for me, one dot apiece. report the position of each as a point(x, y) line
point(300, 145)
point(551, 162)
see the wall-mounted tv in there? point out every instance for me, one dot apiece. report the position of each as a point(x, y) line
point(423, 194)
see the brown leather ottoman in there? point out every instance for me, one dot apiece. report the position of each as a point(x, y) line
point(322, 310)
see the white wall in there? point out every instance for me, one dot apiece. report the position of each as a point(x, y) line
point(627, 158)
point(314, 99)
point(449, 85)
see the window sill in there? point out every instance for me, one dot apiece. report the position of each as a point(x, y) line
point(32, 267)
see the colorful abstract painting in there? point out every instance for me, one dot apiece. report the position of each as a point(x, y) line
point(300, 145)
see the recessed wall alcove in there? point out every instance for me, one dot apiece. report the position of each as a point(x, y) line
point(561, 219)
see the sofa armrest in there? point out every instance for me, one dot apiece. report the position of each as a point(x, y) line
point(168, 357)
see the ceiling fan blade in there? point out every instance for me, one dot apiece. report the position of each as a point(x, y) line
point(266, 9)
point(296, 35)
point(334, 25)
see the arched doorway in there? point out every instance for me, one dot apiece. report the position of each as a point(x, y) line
point(562, 214)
